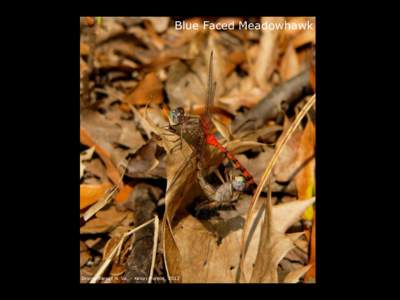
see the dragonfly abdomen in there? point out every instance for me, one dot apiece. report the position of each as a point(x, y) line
point(211, 140)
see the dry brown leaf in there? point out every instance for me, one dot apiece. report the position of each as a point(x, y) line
point(110, 27)
point(183, 84)
point(234, 58)
point(109, 247)
point(84, 48)
point(150, 89)
point(290, 66)
point(311, 274)
point(147, 163)
point(267, 55)
point(96, 226)
point(286, 214)
point(275, 244)
point(240, 145)
point(146, 37)
point(124, 193)
point(96, 131)
point(294, 276)
point(105, 221)
point(130, 136)
point(84, 68)
point(246, 94)
point(84, 258)
point(97, 168)
point(256, 166)
point(82, 246)
point(157, 41)
point(203, 260)
point(90, 194)
point(305, 178)
point(117, 270)
point(287, 164)
point(262, 274)
point(305, 37)
point(160, 24)
point(106, 57)
point(91, 243)
point(85, 155)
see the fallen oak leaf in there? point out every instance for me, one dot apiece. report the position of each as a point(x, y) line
point(274, 243)
point(282, 141)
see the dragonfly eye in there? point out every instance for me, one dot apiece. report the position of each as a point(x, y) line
point(239, 183)
point(176, 116)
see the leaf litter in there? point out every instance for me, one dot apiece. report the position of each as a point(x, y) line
point(135, 171)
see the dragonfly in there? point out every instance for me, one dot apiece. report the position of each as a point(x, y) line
point(197, 132)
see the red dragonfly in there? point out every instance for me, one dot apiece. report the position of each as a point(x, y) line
point(197, 132)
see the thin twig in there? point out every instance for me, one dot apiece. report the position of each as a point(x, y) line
point(155, 241)
point(282, 142)
point(108, 260)
point(139, 227)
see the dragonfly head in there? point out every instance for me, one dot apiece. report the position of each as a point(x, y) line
point(239, 183)
point(176, 116)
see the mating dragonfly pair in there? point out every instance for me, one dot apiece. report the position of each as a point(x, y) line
point(197, 132)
